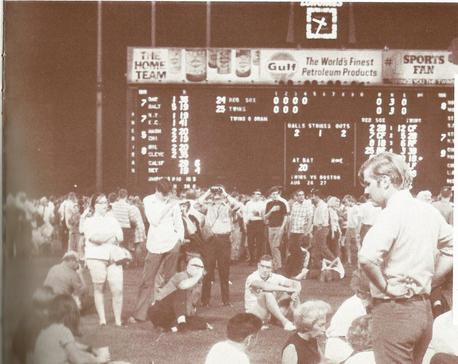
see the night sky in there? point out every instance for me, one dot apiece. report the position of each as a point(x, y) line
point(51, 70)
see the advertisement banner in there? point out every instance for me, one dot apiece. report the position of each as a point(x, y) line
point(322, 66)
point(418, 67)
point(192, 65)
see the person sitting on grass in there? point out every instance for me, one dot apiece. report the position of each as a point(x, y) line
point(174, 308)
point(67, 278)
point(30, 325)
point(56, 342)
point(360, 338)
point(242, 331)
point(269, 294)
point(302, 346)
point(337, 346)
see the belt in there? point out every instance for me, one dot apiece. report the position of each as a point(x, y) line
point(417, 297)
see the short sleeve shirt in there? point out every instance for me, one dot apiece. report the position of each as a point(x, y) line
point(251, 293)
point(226, 353)
point(276, 217)
point(51, 343)
point(404, 241)
point(63, 280)
point(99, 224)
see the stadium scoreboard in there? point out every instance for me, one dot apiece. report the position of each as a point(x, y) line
point(295, 136)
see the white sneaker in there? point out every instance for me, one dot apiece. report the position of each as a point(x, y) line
point(288, 326)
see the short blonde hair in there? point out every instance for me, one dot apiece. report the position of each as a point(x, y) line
point(391, 165)
point(307, 313)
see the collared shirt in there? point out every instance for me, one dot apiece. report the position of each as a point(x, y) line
point(121, 210)
point(301, 216)
point(321, 214)
point(166, 226)
point(404, 241)
point(369, 213)
point(254, 210)
point(353, 217)
point(136, 217)
point(219, 218)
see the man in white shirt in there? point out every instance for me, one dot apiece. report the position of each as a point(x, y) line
point(164, 238)
point(407, 250)
point(242, 330)
point(300, 229)
point(65, 213)
point(254, 220)
point(268, 294)
point(320, 248)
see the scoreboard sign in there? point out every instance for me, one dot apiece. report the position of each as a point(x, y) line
point(296, 136)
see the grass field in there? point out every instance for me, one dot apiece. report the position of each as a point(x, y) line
point(141, 343)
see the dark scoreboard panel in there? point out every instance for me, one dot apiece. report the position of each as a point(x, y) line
point(309, 136)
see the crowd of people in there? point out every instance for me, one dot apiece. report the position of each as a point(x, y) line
point(396, 248)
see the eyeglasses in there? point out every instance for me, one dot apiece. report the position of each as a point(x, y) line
point(197, 266)
point(101, 202)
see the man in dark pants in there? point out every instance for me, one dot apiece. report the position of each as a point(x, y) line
point(254, 211)
point(217, 248)
point(174, 304)
point(320, 248)
point(165, 235)
point(299, 232)
point(405, 252)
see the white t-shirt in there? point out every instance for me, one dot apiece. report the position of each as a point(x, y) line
point(337, 348)
point(251, 294)
point(225, 352)
point(364, 357)
point(51, 343)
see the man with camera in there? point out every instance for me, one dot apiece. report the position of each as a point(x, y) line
point(216, 234)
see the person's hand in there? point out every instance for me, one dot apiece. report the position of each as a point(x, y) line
point(395, 289)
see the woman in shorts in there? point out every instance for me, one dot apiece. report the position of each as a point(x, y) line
point(102, 233)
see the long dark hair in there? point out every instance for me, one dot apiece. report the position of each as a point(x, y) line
point(63, 310)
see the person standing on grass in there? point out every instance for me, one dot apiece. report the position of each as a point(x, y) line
point(407, 250)
point(276, 214)
point(165, 234)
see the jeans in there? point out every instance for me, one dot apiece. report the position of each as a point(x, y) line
point(320, 247)
point(256, 240)
point(217, 249)
point(167, 264)
point(401, 331)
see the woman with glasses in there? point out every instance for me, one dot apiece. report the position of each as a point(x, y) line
point(102, 232)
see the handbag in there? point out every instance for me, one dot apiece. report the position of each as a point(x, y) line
point(120, 255)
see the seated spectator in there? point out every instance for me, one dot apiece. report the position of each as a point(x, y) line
point(66, 277)
point(175, 303)
point(443, 348)
point(302, 346)
point(56, 343)
point(337, 347)
point(242, 330)
point(360, 338)
point(269, 294)
point(31, 324)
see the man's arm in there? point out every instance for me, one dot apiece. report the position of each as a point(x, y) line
point(266, 286)
point(375, 275)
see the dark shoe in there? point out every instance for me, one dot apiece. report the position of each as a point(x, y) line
point(227, 304)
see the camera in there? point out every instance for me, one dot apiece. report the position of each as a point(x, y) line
point(216, 189)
